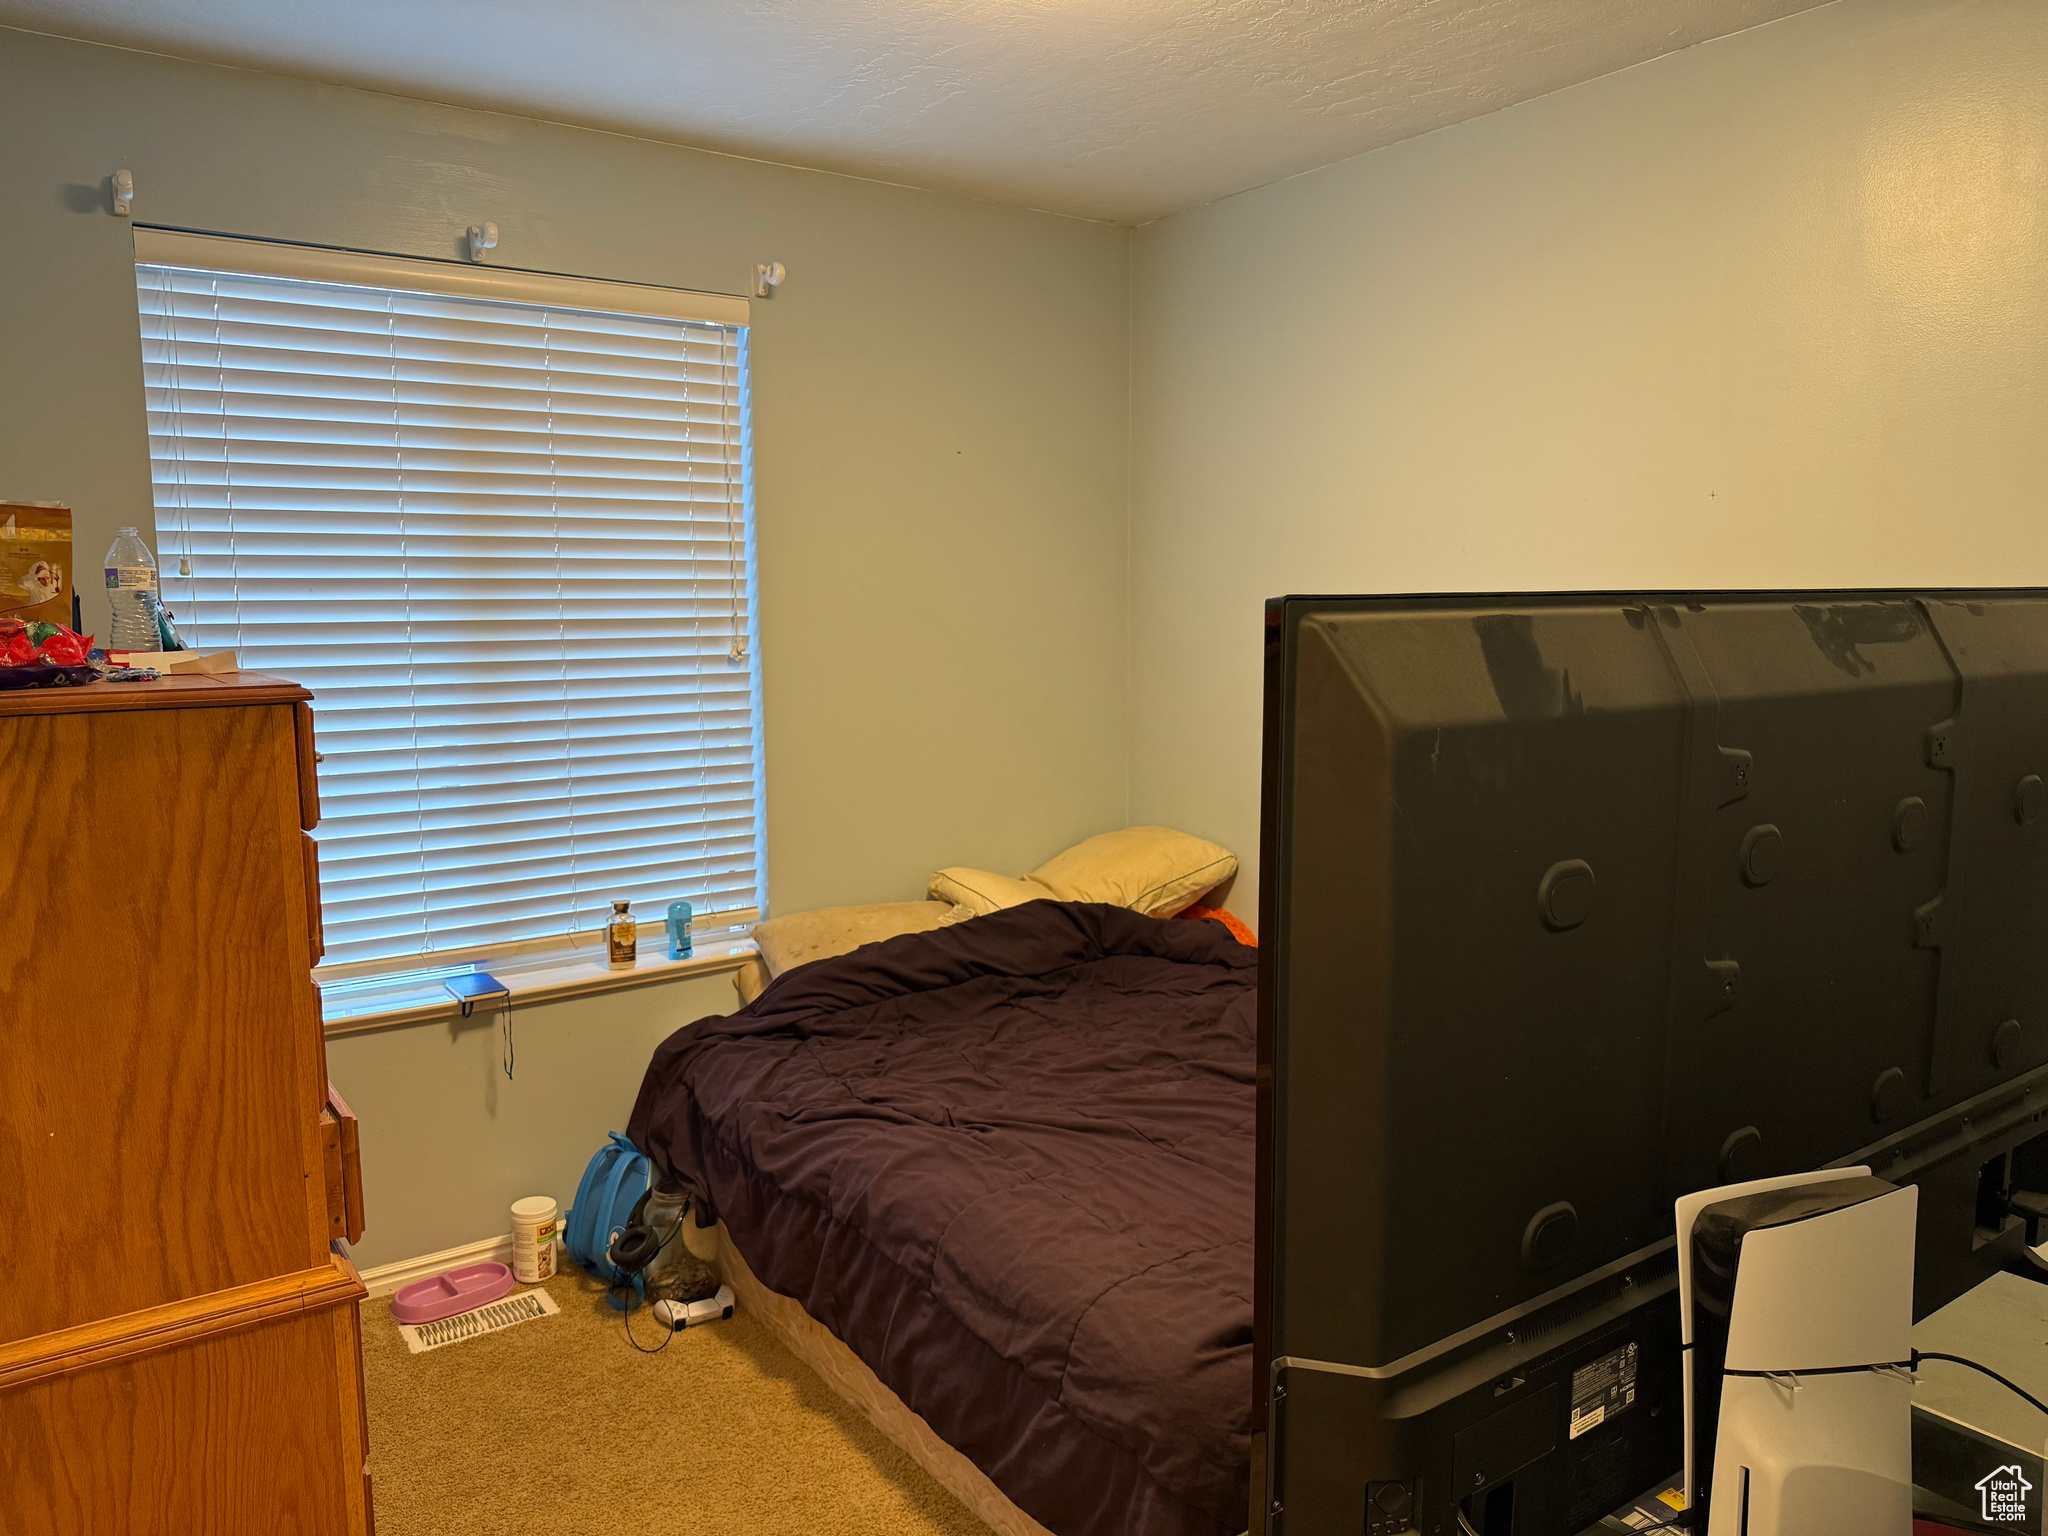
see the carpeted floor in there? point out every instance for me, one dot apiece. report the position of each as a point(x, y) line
point(557, 1425)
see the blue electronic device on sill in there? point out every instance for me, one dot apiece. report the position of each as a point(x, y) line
point(483, 987)
point(477, 987)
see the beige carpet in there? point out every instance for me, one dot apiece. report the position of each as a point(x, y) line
point(556, 1425)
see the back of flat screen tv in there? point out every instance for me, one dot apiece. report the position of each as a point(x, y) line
point(1572, 904)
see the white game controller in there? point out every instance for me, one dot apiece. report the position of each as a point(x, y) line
point(678, 1315)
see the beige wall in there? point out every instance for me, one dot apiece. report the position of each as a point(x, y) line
point(940, 424)
point(449, 1142)
point(1773, 310)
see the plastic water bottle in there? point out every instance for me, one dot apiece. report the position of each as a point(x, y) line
point(131, 594)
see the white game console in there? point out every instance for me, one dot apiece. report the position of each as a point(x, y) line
point(1796, 1307)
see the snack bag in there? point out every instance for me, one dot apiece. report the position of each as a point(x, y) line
point(35, 561)
point(41, 644)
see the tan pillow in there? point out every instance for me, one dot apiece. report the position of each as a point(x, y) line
point(801, 937)
point(982, 892)
point(751, 980)
point(1155, 870)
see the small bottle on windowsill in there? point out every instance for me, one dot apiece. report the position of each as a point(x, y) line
point(622, 938)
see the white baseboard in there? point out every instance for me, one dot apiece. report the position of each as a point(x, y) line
point(386, 1278)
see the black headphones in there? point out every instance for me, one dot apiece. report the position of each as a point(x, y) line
point(637, 1243)
point(632, 1251)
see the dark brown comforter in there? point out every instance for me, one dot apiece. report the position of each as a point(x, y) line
point(1009, 1163)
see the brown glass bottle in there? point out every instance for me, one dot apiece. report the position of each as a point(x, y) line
point(622, 938)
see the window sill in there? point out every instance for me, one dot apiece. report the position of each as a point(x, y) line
point(543, 978)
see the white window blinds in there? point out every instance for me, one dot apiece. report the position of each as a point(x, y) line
point(507, 545)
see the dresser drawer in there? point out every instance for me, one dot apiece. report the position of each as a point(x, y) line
point(309, 767)
point(341, 1149)
point(316, 938)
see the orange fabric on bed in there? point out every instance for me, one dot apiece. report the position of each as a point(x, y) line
point(1238, 931)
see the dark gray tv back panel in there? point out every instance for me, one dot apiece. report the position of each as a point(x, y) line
point(1571, 904)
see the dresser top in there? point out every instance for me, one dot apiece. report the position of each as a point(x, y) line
point(191, 690)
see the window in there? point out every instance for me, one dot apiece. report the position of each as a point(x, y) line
point(500, 525)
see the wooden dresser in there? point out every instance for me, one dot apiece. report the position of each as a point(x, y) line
point(180, 1349)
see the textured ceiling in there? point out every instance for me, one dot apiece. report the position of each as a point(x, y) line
point(1110, 109)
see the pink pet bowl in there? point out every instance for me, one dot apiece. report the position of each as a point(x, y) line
point(453, 1291)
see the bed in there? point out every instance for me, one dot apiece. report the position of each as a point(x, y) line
point(1008, 1165)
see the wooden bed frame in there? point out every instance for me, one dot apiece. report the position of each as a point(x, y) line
point(845, 1373)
